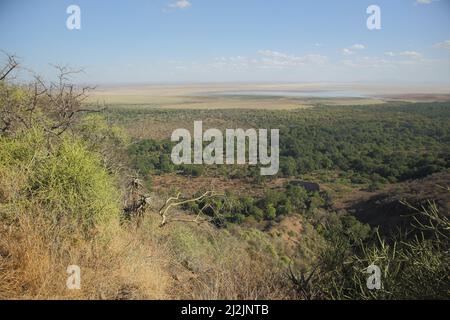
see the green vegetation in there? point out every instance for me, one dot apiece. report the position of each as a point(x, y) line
point(70, 175)
point(69, 181)
point(382, 143)
point(412, 268)
point(374, 144)
point(370, 146)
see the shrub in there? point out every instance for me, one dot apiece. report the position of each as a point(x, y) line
point(414, 268)
point(271, 212)
point(74, 186)
point(66, 180)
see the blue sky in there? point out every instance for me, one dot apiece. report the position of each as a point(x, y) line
point(233, 40)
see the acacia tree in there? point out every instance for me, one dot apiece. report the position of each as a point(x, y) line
point(52, 105)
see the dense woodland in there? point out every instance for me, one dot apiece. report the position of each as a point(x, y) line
point(388, 143)
point(372, 145)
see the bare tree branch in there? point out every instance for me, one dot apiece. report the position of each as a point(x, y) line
point(10, 66)
point(173, 202)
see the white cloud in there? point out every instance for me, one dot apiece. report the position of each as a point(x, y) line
point(358, 47)
point(411, 54)
point(352, 50)
point(347, 51)
point(424, 2)
point(314, 59)
point(443, 45)
point(404, 61)
point(235, 62)
point(278, 59)
point(367, 62)
point(267, 59)
point(284, 66)
point(408, 54)
point(180, 4)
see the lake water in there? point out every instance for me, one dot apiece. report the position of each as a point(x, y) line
point(293, 94)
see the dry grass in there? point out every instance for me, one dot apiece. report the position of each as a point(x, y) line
point(33, 264)
point(215, 264)
point(134, 261)
point(199, 103)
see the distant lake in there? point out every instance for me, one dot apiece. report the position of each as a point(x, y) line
point(292, 94)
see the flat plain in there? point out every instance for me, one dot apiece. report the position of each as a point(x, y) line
point(267, 96)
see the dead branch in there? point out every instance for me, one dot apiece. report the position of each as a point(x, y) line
point(9, 67)
point(55, 105)
point(138, 201)
point(137, 207)
point(173, 202)
point(303, 283)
